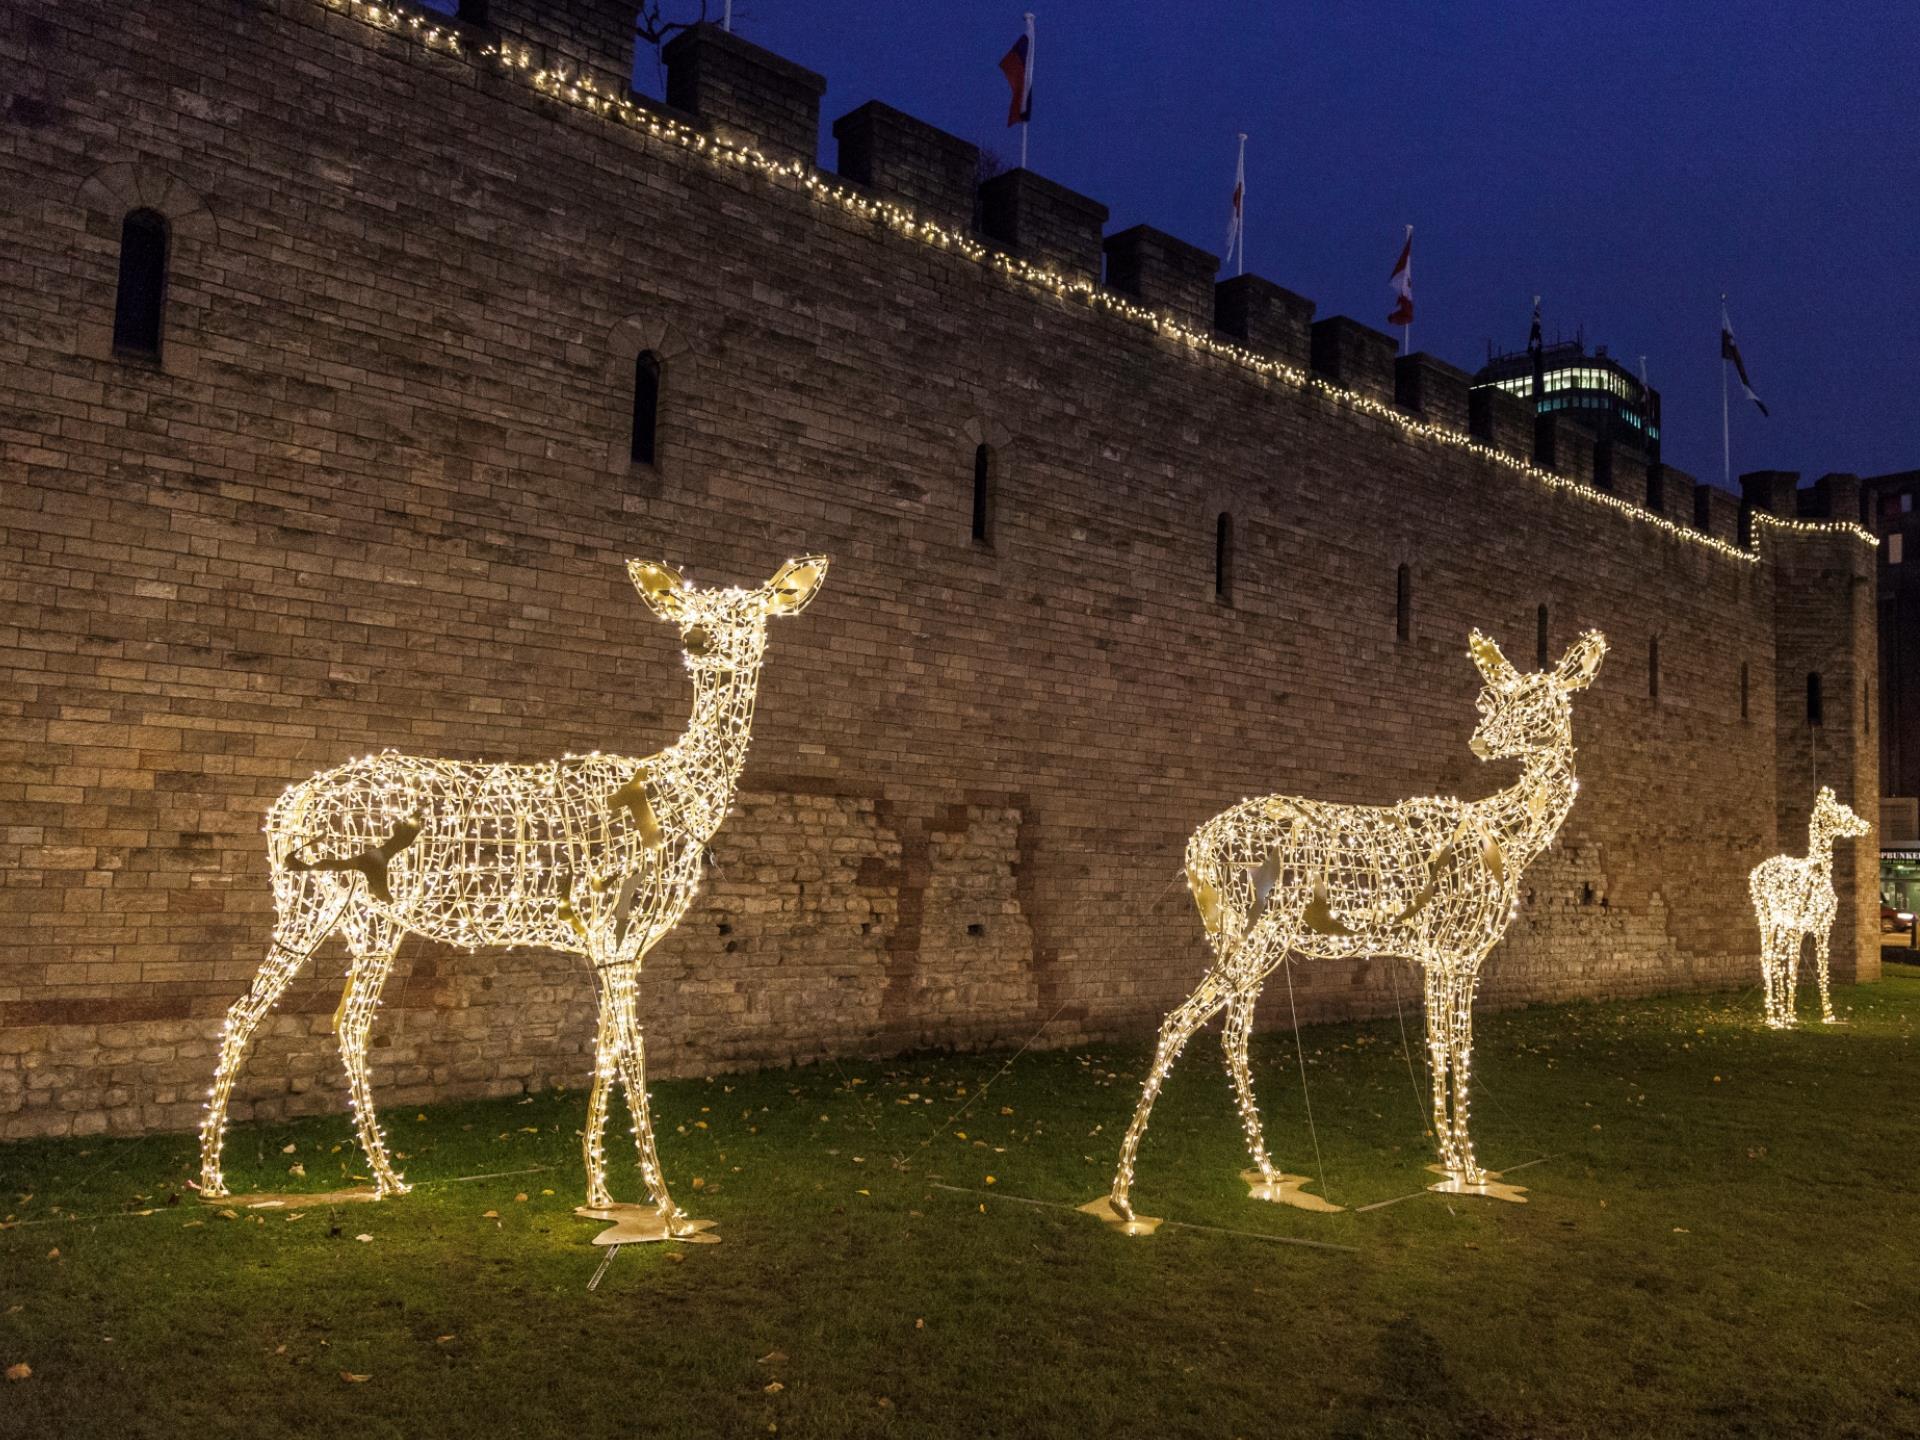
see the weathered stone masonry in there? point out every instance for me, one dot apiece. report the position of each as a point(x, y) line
point(378, 492)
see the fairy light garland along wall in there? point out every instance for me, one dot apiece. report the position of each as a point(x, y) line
point(1794, 899)
point(582, 94)
point(595, 855)
point(1434, 881)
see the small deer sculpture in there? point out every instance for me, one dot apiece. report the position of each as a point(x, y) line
point(1433, 881)
point(1794, 899)
point(595, 855)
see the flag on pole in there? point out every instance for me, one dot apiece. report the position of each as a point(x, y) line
point(1731, 351)
point(1534, 342)
point(1017, 66)
point(1236, 235)
point(1402, 281)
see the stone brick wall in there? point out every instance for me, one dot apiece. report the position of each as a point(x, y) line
point(376, 492)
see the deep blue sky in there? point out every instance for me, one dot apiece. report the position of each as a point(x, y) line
point(1627, 161)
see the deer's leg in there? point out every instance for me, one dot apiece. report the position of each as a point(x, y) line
point(1233, 1045)
point(1790, 986)
point(308, 907)
point(374, 942)
point(1175, 1031)
point(1460, 1062)
point(1820, 943)
point(1766, 968)
point(606, 1070)
point(1439, 997)
point(623, 982)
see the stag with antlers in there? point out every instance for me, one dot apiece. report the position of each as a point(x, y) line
point(1433, 881)
point(595, 855)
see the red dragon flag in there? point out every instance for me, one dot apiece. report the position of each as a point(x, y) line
point(1402, 281)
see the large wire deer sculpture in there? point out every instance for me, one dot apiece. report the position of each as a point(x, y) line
point(1794, 899)
point(595, 855)
point(1433, 881)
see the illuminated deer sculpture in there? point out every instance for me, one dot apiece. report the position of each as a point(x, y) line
point(1433, 881)
point(1793, 899)
point(596, 855)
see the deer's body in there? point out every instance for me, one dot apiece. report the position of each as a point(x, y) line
point(1432, 881)
point(1794, 900)
point(595, 855)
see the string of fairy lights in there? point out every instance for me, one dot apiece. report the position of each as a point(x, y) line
point(1794, 898)
point(593, 855)
point(1433, 880)
point(581, 92)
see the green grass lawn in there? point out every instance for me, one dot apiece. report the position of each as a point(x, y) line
point(1721, 1239)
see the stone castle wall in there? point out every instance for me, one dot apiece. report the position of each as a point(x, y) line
point(378, 493)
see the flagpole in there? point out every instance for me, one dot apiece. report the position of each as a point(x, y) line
point(1727, 432)
point(726, 22)
point(1406, 330)
point(1032, 45)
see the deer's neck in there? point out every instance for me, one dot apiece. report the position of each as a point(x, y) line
point(1819, 846)
point(699, 774)
point(1525, 817)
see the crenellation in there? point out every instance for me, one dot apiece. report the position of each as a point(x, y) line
point(924, 167)
point(1160, 271)
point(1501, 420)
point(1354, 355)
point(1773, 492)
point(1565, 446)
point(1432, 389)
point(1044, 222)
point(749, 95)
point(1267, 317)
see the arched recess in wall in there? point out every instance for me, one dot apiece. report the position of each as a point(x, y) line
point(133, 210)
point(985, 455)
point(648, 372)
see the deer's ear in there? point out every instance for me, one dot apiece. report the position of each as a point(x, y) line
point(660, 586)
point(1493, 666)
point(795, 584)
point(1581, 663)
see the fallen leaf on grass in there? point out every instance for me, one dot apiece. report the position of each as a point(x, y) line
point(521, 1198)
point(54, 1254)
point(229, 1214)
point(774, 1387)
point(288, 1149)
point(364, 1238)
point(22, 1371)
point(442, 1339)
point(772, 1357)
point(353, 1379)
point(489, 1214)
point(296, 1168)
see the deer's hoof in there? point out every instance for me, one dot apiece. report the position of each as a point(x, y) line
point(1117, 1214)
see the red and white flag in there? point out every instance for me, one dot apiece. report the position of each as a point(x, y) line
point(1402, 281)
point(1017, 66)
point(1236, 222)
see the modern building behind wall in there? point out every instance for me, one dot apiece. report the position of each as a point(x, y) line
point(346, 354)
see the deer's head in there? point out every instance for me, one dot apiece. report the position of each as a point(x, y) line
point(1521, 713)
point(726, 629)
point(1833, 818)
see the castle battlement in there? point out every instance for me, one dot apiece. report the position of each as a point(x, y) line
point(737, 103)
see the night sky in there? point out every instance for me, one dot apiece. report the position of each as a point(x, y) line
point(1626, 161)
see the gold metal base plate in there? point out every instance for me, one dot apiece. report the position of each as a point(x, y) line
point(1102, 1210)
point(309, 1200)
point(640, 1224)
point(1490, 1186)
point(1285, 1190)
